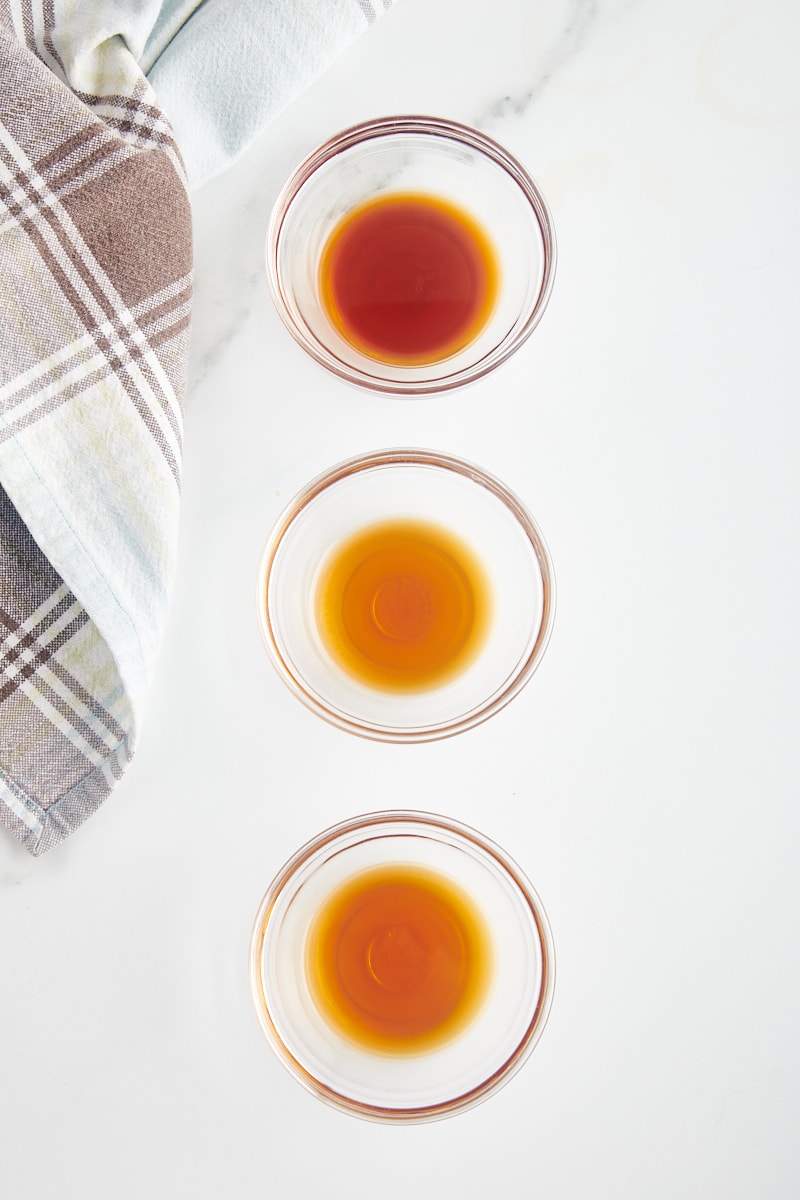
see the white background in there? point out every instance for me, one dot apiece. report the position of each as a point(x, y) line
point(646, 780)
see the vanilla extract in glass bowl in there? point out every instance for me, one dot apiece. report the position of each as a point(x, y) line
point(402, 966)
point(410, 255)
point(406, 595)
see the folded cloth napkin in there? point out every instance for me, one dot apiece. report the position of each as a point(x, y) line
point(95, 305)
point(235, 63)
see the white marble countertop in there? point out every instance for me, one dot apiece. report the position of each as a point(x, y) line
point(647, 778)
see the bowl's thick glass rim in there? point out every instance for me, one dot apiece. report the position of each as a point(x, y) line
point(376, 824)
point(433, 127)
point(407, 456)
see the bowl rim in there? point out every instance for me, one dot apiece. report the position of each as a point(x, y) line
point(381, 459)
point(411, 124)
point(370, 824)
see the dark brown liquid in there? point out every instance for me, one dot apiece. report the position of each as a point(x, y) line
point(408, 278)
point(399, 958)
point(402, 605)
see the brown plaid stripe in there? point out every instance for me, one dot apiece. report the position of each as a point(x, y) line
point(71, 700)
point(30, 647)
point(85, 155)
point(84, 363)
point(102, 312)
point(133, 120)
point(26, 646)
point(55, 732)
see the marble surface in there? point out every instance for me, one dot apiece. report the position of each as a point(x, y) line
point(646, 780)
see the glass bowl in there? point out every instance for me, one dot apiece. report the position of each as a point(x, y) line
point(512, 978)
point(448, 165)
point(424, 664)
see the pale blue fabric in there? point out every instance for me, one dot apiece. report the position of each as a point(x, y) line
point(222, 69)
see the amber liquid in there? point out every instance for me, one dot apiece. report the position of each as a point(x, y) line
point(408, 278)
point(402, 605)
point(399, 959)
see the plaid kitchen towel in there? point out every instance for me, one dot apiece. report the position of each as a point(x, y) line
point(95, 291)
point(95, 299)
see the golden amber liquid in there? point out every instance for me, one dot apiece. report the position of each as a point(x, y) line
point(399, 959)
point(403, 605)
point(408, 278)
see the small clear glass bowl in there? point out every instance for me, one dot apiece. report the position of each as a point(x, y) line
point(410, 1086)
point(458, 497)
point(413, 154)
